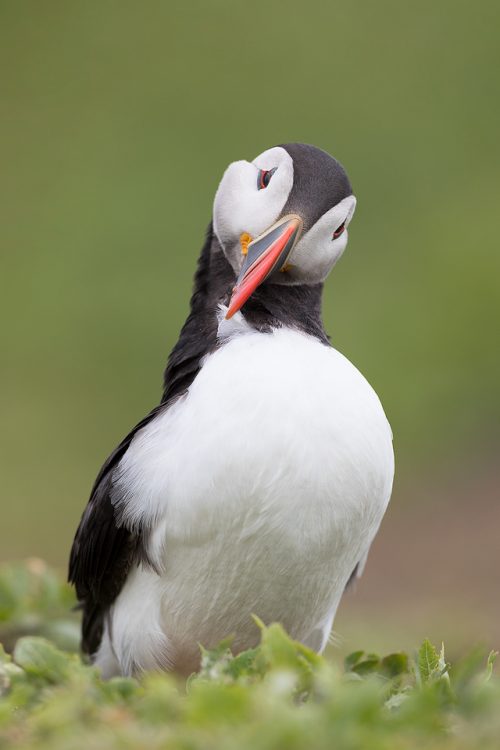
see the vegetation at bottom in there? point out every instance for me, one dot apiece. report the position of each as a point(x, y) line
point(278, 695)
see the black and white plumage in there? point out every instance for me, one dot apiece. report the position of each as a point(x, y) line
point(257, 485)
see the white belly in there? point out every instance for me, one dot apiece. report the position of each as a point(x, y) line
point(265, 486)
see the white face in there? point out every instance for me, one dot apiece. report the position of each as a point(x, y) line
point(316, 252)
point(241, 208)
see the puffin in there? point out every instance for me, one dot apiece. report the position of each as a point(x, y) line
point(256, 486)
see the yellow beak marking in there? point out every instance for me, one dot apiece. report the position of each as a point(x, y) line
point(245, 240)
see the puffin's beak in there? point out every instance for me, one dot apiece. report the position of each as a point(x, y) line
point(266, 253)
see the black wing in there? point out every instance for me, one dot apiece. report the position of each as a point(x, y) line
point(104, 549)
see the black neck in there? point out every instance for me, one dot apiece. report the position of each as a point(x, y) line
point(270, 306)
point(278, 305)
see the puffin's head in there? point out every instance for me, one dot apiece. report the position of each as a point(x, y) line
point(282, 218)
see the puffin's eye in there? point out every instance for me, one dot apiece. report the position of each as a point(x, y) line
point(338, 231)
point(264, 177)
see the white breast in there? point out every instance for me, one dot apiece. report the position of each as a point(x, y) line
point(264, 486)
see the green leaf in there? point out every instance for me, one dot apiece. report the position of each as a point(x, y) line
point(369, 665)
point(394, 665)
point(279, 652)
point(428, 661)
point(39, 658)
point(352, 659)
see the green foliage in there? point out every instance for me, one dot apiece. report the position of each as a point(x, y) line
point(278, 695)
point(34, 600)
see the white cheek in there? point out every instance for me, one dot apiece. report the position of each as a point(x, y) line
point(240, 207)
point(315, 254)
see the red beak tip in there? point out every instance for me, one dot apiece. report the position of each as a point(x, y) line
point(262, 266)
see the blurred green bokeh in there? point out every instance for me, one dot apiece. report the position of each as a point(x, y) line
point(117, 121)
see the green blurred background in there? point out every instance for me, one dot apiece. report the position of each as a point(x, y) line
point(117, 121)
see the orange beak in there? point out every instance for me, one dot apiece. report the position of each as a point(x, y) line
point(266, 254)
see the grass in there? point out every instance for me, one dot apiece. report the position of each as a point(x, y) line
point(279, 695)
